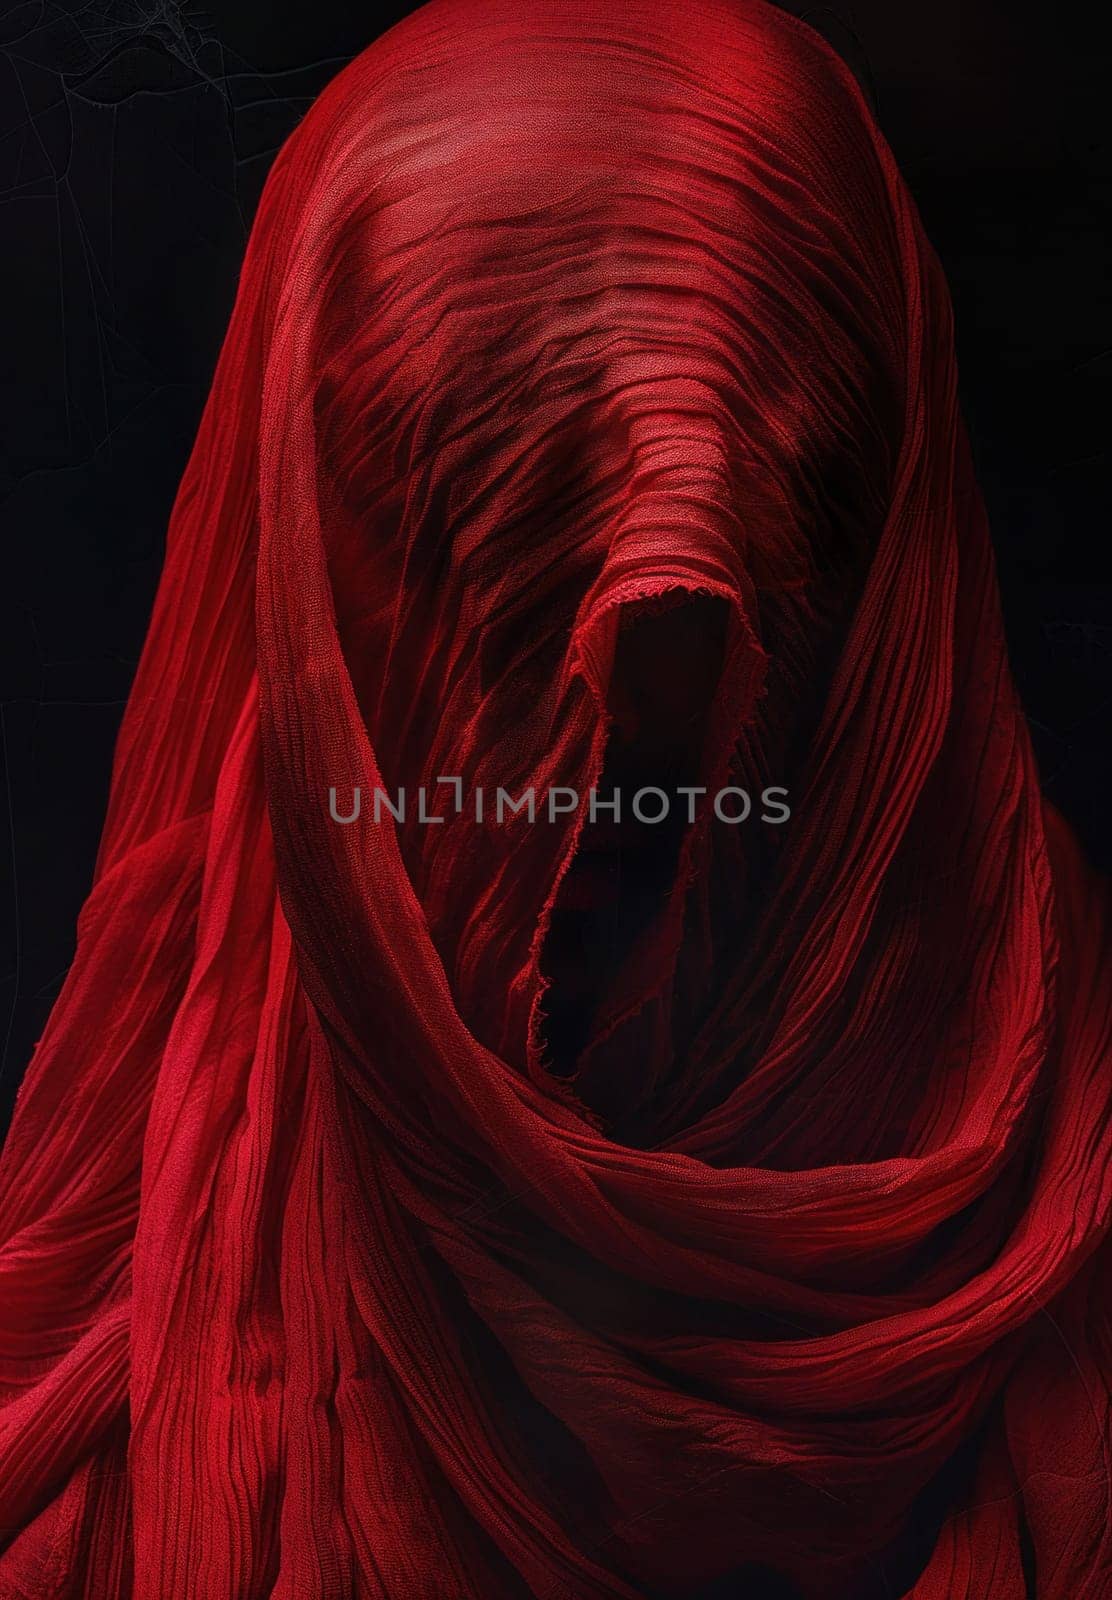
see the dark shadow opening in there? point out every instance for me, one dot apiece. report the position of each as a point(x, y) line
point(668, 662)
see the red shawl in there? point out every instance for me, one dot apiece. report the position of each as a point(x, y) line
point(589, 398)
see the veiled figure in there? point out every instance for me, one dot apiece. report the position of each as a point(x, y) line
point(572, 1209)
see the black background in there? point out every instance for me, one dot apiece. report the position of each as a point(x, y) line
point(135, 138)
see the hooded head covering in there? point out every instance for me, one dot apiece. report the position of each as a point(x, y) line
point(391, 1209)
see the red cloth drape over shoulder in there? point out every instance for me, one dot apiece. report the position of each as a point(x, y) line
point(321, 1277)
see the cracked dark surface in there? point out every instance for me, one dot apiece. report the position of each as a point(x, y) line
point(134, 139)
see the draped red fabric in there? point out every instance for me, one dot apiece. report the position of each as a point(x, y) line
point(390, 1210)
